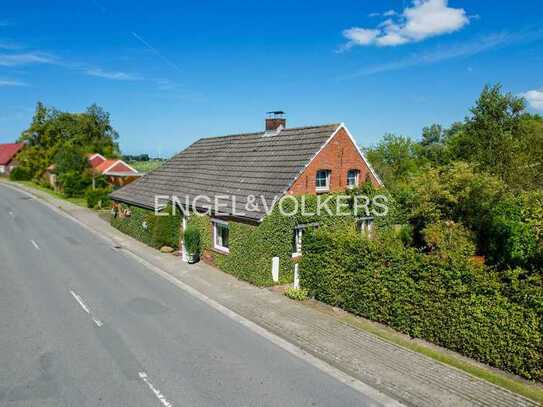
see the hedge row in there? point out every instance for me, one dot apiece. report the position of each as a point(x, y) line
point(145, 226)
point(450, 301)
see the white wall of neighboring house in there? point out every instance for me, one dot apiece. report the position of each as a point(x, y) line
point(2, 169)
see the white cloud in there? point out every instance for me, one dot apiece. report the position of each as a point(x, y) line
point(26, 59)
point(424, 19)
point(534, 98)
point(8, 82)
point(116, 76)
point(466, 49)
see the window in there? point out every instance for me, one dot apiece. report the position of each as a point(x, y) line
point(352, 178)
point(322, 180)
point(297, 237)
point(220, 235)
point(365, 226)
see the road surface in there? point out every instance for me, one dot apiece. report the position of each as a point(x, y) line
point(82, 324)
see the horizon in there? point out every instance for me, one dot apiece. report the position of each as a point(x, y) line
point(171, 75)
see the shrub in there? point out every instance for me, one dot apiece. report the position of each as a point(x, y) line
point(449, 239)
point(73, 184)
point(298, 294)
point(517, 231)
point(191, 240)
point(20, 174)
point(97, 198)
point(447, 300)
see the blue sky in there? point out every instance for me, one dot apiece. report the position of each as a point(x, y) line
point(172, 72)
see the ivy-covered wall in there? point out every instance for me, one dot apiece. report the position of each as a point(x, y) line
point(252, 247)
point(145, 226)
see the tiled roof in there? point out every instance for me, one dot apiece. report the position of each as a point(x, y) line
point(237, 165)
point(8, 151)
point(118, 166)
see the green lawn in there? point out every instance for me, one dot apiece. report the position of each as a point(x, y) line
point(145, 166)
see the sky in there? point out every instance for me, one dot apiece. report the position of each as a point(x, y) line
point(170, 73)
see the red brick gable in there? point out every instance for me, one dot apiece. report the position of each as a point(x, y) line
point(339, 156)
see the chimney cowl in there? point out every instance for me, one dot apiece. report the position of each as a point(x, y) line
point(275, 120)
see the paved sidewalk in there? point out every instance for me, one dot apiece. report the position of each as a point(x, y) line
point(409, 377)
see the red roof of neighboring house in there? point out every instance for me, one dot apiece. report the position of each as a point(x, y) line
point(95, 159)
point(114, 166)
point(8, 152)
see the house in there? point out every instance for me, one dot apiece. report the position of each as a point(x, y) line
point(273, 163)
point(117, 172)
point(8, 154)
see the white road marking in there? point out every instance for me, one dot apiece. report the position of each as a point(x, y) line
point(35, 244)
point(97, 322)
point(11, 214)
point(158, 394)
point(80, 301)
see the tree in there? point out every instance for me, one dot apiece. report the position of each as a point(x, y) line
point(52, 131)
point(501, 138)
point(396, 158)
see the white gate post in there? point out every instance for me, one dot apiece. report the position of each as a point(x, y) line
point(275, 269)
point(183, 251)
point(296, 276)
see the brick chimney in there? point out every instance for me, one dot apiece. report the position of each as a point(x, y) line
point(274, 120)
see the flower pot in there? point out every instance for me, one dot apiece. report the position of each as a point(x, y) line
point(192, 258)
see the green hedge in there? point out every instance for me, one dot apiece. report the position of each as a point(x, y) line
point(450, 301)
point(145, 226)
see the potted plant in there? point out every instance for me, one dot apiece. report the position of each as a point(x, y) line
point(191, 241)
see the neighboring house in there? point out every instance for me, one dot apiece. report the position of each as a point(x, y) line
point(272, 164)
point(8, 154)
point(118, 172)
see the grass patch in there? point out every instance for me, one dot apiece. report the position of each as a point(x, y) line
point(532, 391)
point(76, 201)
point(146, 166)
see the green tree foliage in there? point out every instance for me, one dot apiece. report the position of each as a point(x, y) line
point(396, 158)
point(517, 228)
point(51, 131)
point(501, 138)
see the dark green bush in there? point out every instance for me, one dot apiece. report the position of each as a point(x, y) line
point(98, 198)
point(517, 230)
point(73, 184)
point(191, 240)
point(450, 301)
point(20, 174)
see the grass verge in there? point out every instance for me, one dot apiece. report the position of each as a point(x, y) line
point(533, 391)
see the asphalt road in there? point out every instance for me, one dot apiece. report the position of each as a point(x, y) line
point(81, 324)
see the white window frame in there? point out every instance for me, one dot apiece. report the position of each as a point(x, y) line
point(356, 178)
point(365, 226)
point(216, 245)
point(327, 186)
point(299, 236)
